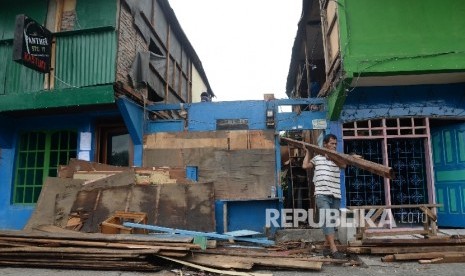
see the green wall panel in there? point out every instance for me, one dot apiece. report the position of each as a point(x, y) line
point(36, 10)
point(95, 13)
point(85, 59)
point(15, 78)
point(402, 36)
point(58, 98)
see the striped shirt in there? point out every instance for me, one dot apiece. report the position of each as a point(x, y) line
point(327, 177)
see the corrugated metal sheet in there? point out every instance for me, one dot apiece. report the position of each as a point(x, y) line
point(85, 59)
point(15, 78)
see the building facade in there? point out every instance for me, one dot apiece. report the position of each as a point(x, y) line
point(393, 73)
point(108, 58)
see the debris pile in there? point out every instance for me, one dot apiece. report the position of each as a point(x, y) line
point(66, 249)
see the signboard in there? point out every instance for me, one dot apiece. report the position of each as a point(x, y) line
point(32, 44)
point(232, 124)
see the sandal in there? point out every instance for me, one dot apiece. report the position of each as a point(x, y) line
point(338, 255)
point(326, 252)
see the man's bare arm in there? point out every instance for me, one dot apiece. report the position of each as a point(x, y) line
point(306, 164)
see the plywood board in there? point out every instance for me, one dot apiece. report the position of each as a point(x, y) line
point(189, 207)
point(47, 211)
point(183, 206)
point(145, 199)
point(261, 140)
point(172, 207)
point(230, 140)
point(81, 165)
point(236, 174)
point(200, 213)
point(163, 157)
point(186, 140)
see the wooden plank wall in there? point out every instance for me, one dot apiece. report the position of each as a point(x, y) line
point(240, 163)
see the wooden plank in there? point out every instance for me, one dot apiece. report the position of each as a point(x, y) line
point(77, 250)
point(164, 157)
point(288, 263)
point(394, 232)
point(195, 233)
point(221, 272)
point(290, 254)
point(91, 243)
point(221, 261)
point(184, 140)
point(412, 242)
point(73, 235)
point(242, 233)
point(239, 140)
point(416, 249)
point(54, 203)
point(75, 165)
point(260, 139)
point(426, 255)
point(172, 254)
point(388, 258)
point(111, 265)
point(445, 259)
point(432, 261)
point(373, 167)
point(359, 250)
point(429, 213)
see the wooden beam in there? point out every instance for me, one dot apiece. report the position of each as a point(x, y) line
point(373, 167)
point(416, 249)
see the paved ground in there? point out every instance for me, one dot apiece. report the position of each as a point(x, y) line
point(374, 266)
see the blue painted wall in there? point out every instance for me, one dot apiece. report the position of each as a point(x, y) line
point(203, 116)
point(417, 100)
point(16, 216)
point(244, 214)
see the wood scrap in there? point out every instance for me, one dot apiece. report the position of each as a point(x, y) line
point(430, 261)
point(427, 255)
point(412, 242)
point(221, 272)
point(445, 259)
point(416, 249)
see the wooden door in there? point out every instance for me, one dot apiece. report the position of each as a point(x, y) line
point(449, 173)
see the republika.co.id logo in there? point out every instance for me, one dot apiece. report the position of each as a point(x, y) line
point(329, 218)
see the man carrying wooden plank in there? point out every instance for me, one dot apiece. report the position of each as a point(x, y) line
point(327, 190)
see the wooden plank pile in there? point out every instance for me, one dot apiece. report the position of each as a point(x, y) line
point(89, 250)
point(440, 249)
point(53, 247)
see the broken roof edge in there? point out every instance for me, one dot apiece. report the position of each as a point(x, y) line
point(296, 48)
point(169, 12)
